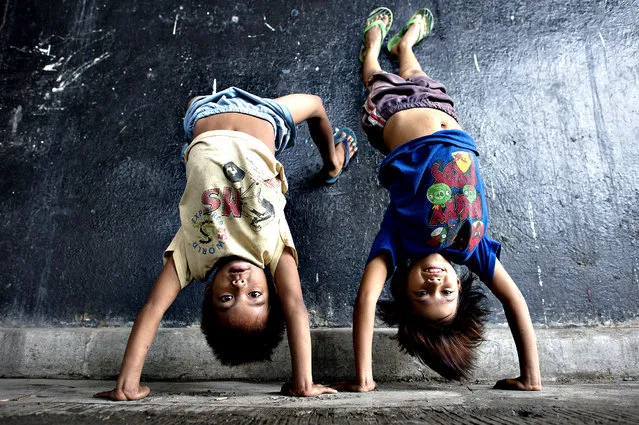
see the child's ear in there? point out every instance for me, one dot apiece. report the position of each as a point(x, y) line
point(459, 285)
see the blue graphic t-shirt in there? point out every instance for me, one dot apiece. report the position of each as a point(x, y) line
point(437, 204)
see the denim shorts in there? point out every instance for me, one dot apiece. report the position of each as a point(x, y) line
point(387, 94)
point(237, 100)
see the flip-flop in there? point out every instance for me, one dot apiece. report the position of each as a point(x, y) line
point(372, 22)
point(427, 19)
point(337, 139)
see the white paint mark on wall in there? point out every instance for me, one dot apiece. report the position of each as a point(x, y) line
point(541, 283)
point(76, 73)
point(46, 51)
point(329, 311)
point(235, 19)
point(316, 277)
point(214, 86)
point(175, 23)
point(532, 220)
point(53, 66)
point(492, 190)
point(16, 117)
point(267, 25)
point(603, 42)
point(476, 62)
point(543, 301)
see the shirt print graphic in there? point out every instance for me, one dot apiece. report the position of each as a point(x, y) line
point(241, 199)
point(455, 207)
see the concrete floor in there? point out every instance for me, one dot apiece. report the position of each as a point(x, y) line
point(31, 401)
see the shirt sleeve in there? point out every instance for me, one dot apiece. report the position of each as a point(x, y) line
point(176, 250)
point(285, 241)
point(385, 241)
point(482, 260)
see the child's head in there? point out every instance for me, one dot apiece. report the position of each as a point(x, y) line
point(241, 313)
point(440, 319)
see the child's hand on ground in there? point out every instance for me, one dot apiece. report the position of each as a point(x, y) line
point(118, 394)
point(353, 387)
point(314, 390)
point(518, 384)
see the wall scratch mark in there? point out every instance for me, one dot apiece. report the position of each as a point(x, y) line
point(4, 16)
point(603, 42)
point(476, 62)
point(175, 23)
point(532, 220)
point(16, 117)
point(75, 74)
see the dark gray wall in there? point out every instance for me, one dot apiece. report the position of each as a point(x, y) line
point(93, 95)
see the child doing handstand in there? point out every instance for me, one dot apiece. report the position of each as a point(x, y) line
point(232, 228)
point(437, 215)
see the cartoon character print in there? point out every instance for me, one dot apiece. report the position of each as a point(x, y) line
point(470, 193)
point(454, 199)
point(261, 211)
point(438, 237)
point(237, 200)
point(477, 232)
point(438, 194)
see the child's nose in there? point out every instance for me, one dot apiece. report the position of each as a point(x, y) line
point(433, 282)
point(239, 283)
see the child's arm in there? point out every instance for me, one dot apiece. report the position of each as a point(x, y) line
point(521, 327)
point(369, 291)
point(289, 290)
point(310, 108)
point(142, 335)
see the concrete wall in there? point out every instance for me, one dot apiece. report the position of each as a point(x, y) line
point(93, 95)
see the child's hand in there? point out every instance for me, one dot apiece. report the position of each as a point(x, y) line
point(350, 386)
point(517, 384)
point(125, 394)
point(314, 390)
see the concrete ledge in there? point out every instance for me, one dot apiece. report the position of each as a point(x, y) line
point(182, 354)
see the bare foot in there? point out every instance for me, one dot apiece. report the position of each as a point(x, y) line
point(340, 154)
point(410, 37)
point(373, 37)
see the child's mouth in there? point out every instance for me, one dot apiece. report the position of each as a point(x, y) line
point(434, 270)
point(238, 269)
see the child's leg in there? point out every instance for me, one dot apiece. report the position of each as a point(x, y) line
point(310, 108)
point(373, 41)
point(408, 64)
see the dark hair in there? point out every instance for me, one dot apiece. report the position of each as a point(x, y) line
point(447, 348)
point(233, 346)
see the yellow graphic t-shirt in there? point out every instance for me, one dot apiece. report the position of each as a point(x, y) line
point(233, 204)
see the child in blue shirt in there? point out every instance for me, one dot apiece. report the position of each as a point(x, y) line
point(437, 216)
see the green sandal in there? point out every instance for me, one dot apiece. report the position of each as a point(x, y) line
point(426, 17)
point(372, 22)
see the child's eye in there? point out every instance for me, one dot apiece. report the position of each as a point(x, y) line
point(225, 298)
point(255, 294)
point(422, 293)
point(447, 292)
